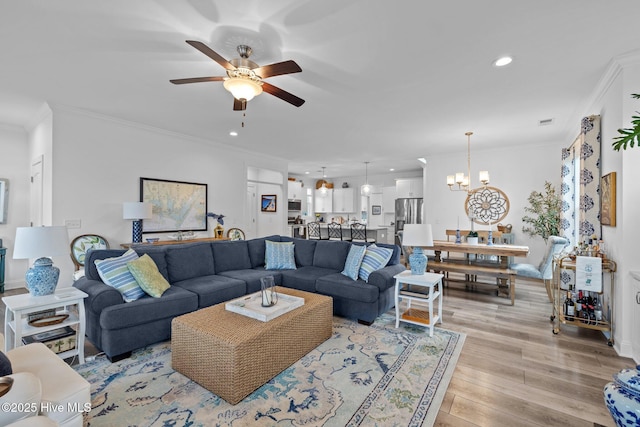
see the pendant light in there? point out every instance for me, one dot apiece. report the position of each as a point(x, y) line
point(323, 188)
point(365, 190)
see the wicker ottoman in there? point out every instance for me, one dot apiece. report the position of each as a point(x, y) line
point(232, 355)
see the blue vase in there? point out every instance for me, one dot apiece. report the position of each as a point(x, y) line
point(622, 397)
point(42, 278)
point(418, 261)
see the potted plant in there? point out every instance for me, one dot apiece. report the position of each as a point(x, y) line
point(629, 135)
point(544, 208)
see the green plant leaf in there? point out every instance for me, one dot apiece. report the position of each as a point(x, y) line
point(630, 136)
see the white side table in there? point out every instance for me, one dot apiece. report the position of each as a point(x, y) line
point(20, 306)
point(421, 288)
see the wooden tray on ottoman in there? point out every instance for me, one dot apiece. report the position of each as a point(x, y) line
point(232, 355)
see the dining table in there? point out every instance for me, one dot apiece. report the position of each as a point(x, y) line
point(503, 252)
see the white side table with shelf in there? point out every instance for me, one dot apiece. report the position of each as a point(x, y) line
point(18, 308)
point(421, 288)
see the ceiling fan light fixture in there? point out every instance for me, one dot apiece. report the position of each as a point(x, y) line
point(242, 87)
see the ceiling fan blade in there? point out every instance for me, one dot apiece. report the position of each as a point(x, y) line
point(282, 94)
point(196, 80)
point(277, 69)
point(239, 105)
point(211, 54)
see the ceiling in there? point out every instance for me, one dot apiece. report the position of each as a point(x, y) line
point(383, 82)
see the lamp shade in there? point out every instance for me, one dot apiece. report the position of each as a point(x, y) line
point(137, 210)
point(37, 242)
point(419, 235)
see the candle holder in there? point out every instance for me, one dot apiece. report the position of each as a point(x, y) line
point(458, 239)
point(490, 238)
point(268, 291)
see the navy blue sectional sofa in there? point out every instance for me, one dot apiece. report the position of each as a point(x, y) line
point(208, 273)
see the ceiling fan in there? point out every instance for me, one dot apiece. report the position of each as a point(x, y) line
point(245, 78)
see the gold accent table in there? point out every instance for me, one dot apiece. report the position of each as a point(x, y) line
point(232, 355)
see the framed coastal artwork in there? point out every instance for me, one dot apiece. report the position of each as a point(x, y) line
point(608, 199)
point(269, 203)
point(177, 205)
point(376, 210)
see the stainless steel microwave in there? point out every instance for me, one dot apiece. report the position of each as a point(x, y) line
point(295, 205)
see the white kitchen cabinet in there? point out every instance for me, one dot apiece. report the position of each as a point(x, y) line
point(408, 188)
point(324, 202)
point(388, 199)
point(295, 190)
point(344, 200)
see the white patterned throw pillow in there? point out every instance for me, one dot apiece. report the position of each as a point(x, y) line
point(374, 259)
point(354, 260)
point(115, 273)
point(279, 256)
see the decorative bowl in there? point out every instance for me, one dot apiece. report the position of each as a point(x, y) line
point(153, 239)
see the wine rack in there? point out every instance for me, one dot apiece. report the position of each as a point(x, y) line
point(558, 316)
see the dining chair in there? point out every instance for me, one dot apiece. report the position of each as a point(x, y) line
point(544, 270)
point(314, 232)
point(235, 234)
point(359, 233)
point(335, 231)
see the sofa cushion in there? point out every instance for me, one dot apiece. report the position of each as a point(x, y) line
point(304, 250)
point(5, 365)
point(188, 261)
point(90, 270)
point(157, 254)
point(252, 277)
point(279, 256)
point(114, 272)
point(304, 278)
point(213, 290)
point(339, 286)
point(257, 249)
point(330, 254)
point(354, 259)
point(174, 302)
point(148, 277)
point(374, 259)
point(233, 255)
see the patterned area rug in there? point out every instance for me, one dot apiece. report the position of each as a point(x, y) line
point(376, 375)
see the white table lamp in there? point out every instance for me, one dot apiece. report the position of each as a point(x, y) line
point(137, 211)
point(417, 236)
point(41, 243)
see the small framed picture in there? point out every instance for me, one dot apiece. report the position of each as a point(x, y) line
point(608, 199)
point(376, 209)
point(269, 203)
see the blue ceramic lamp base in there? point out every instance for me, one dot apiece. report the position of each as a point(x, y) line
point(42, 278)
point(418, 261)
point(136, 236)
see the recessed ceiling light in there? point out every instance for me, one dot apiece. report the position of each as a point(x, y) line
point(391, 169)
point(501, 62)
point(233, 133)
point(306, 173)
point(422, 160)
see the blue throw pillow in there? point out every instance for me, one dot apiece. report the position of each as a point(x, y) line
point(374, 259)
point(354, 259)
point(279, 256)
point(115, 273)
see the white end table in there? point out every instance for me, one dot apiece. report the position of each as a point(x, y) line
point(18, 308)
point(421, 288)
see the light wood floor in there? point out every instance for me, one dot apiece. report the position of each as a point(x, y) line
point(513, 371)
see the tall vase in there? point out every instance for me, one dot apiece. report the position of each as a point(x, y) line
point(268, 291)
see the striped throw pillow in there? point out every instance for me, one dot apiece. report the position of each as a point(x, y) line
point(374, 259)
point(354, 260)
point(115, 273)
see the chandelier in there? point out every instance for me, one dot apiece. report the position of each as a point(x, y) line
point(462, 180)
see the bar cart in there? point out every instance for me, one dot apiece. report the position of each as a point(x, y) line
point(558, 316)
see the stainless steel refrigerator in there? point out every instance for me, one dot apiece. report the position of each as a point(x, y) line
point(408, 211)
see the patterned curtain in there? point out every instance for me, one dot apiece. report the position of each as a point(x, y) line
point(580, 188)
point(590, 178)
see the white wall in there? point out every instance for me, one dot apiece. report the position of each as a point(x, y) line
point(98, 161)
point(516, 171)
point(14, 166)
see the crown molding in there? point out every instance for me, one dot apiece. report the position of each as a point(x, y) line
point(12, 128)
point(43, 112)
point(157, 130)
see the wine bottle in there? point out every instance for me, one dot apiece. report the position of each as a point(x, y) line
point(570, 307)
point(598, 310)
